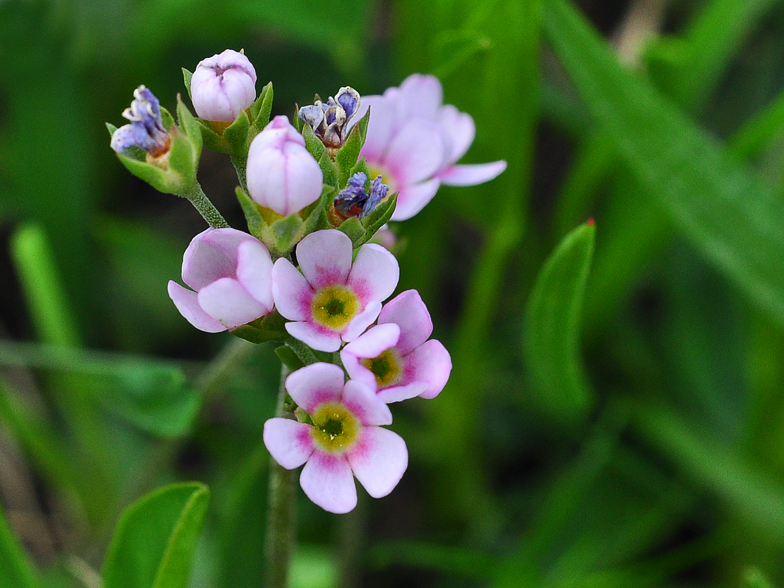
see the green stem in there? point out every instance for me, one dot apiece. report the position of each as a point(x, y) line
point(206, 209)
point(241, 165)
point(281, 514)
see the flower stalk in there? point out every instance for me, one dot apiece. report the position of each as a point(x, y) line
point(206, 209)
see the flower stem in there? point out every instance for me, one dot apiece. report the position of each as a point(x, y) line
point(206, 209)
point(241, 166)
point(281, 515)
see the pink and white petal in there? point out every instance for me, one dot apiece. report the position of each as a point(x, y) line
point(408, 311)
point(357, 371)
point(375, 273)
point(400, 393)
point(315, 384)
point(361, 322)
point(411, 199)
point(318, 338)
point(374, 342)
point(289, 442)
point(366, 406)
point(417, 151)
point(381, 127)
point(229, 303)
point(379, 460)
point(429, 363)
point(471, 174)
point(327, 480)
point(187, 303)
point(254, 271)
point(460, 128)
point(420, 97)
point(325, 258)
point(290, 291)
point(207, 259)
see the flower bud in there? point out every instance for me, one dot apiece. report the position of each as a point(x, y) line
point(282, 175)
point(223, 86)
point(146, 129)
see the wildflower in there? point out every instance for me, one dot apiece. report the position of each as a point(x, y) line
point(332, 299)
point(282, 175)
point(231, 274)
point(413, 141)
point(345, 439)
point(330, 121)
point(146, 128)
point(395, 358)
point(353, 200)
point(223, 86)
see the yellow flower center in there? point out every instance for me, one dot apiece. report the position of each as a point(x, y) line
point(334, 307)
point(335, 428)
point(387, 367)
point(377, 171)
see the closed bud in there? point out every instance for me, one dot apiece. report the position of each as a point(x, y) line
point(223, 86)
point(282, 175)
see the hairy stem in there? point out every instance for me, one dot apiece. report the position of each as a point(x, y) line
point(206, 209)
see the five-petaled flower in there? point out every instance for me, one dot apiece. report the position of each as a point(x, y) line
point(223, 86)
point(344, 440)
point(413, 141)
point(332, 299)
point(146, 129)
point(395, 358)
point(231, 273)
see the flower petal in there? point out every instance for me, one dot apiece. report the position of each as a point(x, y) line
point(471, 174)
point(429, 363)
point(289, 442)
point(327, 480)
point(374, 342)
point(416, 152)
point(254, 272)
point(459, 127)
point(375, 273)
point(420, 97)
point(379, 460)
point(211, 255)
point(290, 291)
point(408, 312)
point(381, 126)
point(361, 322)
point(229, 303)
point(400, 393)
point(412, 199)
point(187, 303)
point(325, 258)
point(315, 384)
point(366, 406)
point(315, 337)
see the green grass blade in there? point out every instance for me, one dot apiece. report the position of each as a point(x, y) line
point(15, 568)
point(156, 538)
point(729, 215)
point(551, 339)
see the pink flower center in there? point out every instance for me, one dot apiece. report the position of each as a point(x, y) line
point(335, 428)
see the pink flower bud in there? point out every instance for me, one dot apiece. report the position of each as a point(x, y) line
point(282, 174)
point(223, 86)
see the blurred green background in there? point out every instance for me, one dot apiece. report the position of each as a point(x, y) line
point(615, 416)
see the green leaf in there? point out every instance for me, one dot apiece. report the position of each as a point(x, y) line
point(186, 76)
point(312, 142)
point(551, 339)
point(252, 214)
point(728, 214)
point(15, 568)
point(237, 135)
point(156, 537)
point(346, 157)
point(378, 218)
point(329, 170)
point(261, 109)
point(354, 229)
point(290, 359)
point(286, 231)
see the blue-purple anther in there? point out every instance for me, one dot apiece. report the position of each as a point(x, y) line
point(330, 121)
point(353, 200)
point(146, 127)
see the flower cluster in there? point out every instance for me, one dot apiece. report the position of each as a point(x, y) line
point(312, 272)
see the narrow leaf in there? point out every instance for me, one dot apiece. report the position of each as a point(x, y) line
point(729, 215)
point(551, 338)
point(156, 537)
point(15, 568)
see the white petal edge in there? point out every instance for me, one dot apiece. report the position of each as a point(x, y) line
point(290, 291)
point(315, 384)
point(412, 199)
point(360, 323)
point(408, 311)
point(320, 340)
point(325, 258)
point(375, 273)
point(229, 303)
point(471, 174)
point(187, 303)
point(327, 480)
point(289, 442)
point(379, 460)
point(366, 406)
point(254, 272)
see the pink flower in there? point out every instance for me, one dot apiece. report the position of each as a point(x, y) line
point(332, 299)
point(282, 174)
point(223, 86)
point(345, 439)
point(414, 140)
point(395, 358)
point(231, 273)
